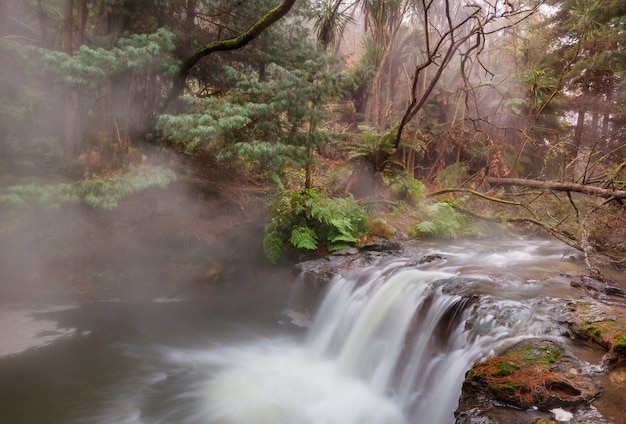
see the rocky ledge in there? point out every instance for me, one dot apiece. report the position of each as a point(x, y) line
point(537, 377)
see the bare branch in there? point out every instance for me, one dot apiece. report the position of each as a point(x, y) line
point(587, 189)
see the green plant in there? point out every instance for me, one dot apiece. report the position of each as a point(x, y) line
point(375, 151)
point(442, 221)
point(308, 220)
point(378, 227)
point(407, 188)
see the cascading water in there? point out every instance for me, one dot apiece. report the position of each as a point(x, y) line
point(389, 345)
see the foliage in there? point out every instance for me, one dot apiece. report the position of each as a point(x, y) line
point(378, 227)
point(89, 67)
point(97, 192)
point(442, 221)
point(310, 220)
point(375, 151)
point(270, 123)
point(406, 188)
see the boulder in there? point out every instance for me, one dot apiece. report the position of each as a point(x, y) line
point(535, 374)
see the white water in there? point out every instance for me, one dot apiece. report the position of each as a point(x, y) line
point(386, 347)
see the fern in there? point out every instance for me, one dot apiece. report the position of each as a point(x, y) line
point(273, 246)
point(303, 238)
point(443, 221)
point(308, 220)
point(427, 227)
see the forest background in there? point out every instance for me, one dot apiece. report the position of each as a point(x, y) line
point(351, 121)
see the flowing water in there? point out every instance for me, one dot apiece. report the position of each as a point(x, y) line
point(388, 343)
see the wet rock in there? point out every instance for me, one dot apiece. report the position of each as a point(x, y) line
point(535, 374)
point(348, 251)
point(460, 286)
point(599, 322)
point(319, 272)
point(598, 286)
point(435, 257)
point(389, 246)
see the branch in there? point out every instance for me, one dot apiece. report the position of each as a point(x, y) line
point(225, 45)
point(474, 192)
point(561, 235)
point(590, 190)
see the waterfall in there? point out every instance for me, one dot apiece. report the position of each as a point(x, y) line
point(388, 345)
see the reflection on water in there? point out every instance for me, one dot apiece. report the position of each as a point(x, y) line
point(246, 356)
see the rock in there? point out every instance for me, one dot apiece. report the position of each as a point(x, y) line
point(435, 257)
point(319, 272)
point(348, 251)
point(389, 246)
point(316, 273)
point(600, 322)
point(598, 286)
point(535, 374)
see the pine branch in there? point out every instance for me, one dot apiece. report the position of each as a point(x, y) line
point(226, 45)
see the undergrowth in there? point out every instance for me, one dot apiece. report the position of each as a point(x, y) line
point(309, 220)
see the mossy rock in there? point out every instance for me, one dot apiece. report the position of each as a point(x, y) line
point(533, 373)
point(600, 323)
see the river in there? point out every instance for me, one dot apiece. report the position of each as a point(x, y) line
point(386, 343)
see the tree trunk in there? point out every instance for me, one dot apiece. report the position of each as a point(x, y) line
point(42, 17)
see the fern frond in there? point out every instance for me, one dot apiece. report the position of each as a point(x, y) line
point(273, 246)
point(427, 227)
point(303, 238)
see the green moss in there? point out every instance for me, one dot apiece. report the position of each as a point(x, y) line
point(509, 389)
point(541, 356)
point(504, 368)
point(620, 344)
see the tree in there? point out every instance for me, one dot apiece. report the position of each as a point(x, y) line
point(587, 59)
point(232, 43)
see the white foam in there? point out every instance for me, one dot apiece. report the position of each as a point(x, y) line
point(283, 385)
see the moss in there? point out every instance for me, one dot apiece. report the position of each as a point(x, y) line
point(604, 326)
point(620, 344)
point(530, 355)
point(510, 389)
point(543, 421)
point(520, 375)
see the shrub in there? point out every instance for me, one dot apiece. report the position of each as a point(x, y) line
point(309, 220)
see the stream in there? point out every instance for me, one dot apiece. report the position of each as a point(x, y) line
point(386, 343)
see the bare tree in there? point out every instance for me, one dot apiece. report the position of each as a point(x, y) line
point(450, 28)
